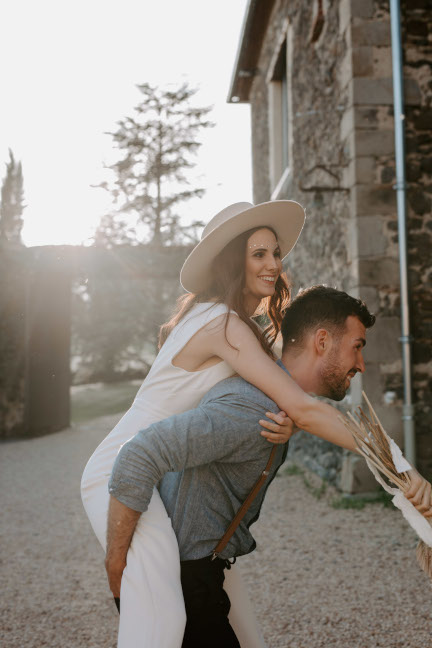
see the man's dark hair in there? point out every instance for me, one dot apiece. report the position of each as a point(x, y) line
point(321, 307)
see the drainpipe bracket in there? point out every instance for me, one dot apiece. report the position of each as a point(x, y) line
point(408, 412)
point(406, 339)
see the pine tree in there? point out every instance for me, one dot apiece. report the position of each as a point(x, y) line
point(12, 203)
point(119, 318)
point(158, 144)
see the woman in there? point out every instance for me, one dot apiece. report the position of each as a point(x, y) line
point(182, 373)
point(230, 272)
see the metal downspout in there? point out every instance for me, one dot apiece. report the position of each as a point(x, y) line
point(400, 187)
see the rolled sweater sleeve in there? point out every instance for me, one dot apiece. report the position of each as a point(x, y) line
point(214, 431)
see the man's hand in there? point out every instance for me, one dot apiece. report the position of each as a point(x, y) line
point(114, 566)
point(419, 493)
point(280, 431)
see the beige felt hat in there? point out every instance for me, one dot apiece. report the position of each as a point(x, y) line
point(286, 217)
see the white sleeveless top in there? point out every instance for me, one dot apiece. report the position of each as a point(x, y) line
point(168, 389)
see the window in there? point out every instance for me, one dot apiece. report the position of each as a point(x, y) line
point(279, 118)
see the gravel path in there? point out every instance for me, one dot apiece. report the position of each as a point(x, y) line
point(321, 577)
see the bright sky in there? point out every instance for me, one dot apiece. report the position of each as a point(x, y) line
point(68, 73)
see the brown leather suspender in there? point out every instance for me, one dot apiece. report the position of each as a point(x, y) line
point(244, 507)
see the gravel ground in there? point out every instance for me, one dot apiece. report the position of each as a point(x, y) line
point(320, 577)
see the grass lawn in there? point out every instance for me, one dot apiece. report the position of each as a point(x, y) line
point(101, 399)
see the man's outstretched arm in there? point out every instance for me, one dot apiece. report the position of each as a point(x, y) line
point(122, 521)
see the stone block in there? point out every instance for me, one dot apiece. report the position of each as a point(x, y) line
point(391, 420)
point(370, 297)
point(360, 170)
point(382, 62)
point(372, 91)
point(352, 240)
point(362, 62)
point(365, 168)
point(380, 272)
point(387, 174)
point(349, 149)
point(419, 201)
point(372, 381)
point(375, 32)
point(352, 284)
point(355, 391)
point(417, 28)
point(356, 476)
point(380, 91)
point(349, 175)
point(372, 200)
point(412, 92)
point(423, 119)
point(383, 341)
point(374, 142)
point(345, 70)
point(347, 123)
point(370, 238)
point(362, 8)
point(319, 178)
point(344, 15)
point(366, 117)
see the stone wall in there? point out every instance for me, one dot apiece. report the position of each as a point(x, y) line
point(342, 171)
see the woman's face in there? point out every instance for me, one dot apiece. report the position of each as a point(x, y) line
point(263, 265)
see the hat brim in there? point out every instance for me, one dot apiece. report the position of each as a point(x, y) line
point(286, 217)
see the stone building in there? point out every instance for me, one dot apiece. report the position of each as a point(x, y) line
point(318, 77)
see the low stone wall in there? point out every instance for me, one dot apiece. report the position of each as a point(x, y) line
point(317, 455)
point(35, 323)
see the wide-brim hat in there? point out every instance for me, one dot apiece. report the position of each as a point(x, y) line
point(285, 217)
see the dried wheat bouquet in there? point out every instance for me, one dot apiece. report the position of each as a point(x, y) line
point(385, 460)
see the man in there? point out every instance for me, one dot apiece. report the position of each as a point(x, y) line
point(219, 455)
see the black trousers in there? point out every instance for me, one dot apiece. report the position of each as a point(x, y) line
point(207, 605)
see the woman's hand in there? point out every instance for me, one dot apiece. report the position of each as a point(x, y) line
point(419, 493)
point(280, 431)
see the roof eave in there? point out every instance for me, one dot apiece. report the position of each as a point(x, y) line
point(251, 38)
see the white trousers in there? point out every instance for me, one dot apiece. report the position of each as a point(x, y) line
point(152, 607)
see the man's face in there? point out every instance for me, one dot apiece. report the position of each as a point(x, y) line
point(344, 359)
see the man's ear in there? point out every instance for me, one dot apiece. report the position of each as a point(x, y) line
point(322, 341)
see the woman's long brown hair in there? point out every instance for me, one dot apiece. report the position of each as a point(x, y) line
point(228, 272)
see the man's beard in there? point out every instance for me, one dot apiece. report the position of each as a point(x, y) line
point(333, 379)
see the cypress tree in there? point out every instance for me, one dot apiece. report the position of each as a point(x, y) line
point(12, 203)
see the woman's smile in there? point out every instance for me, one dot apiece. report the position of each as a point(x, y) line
point(269, 279)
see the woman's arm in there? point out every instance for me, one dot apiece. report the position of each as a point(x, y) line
point(248, 359)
